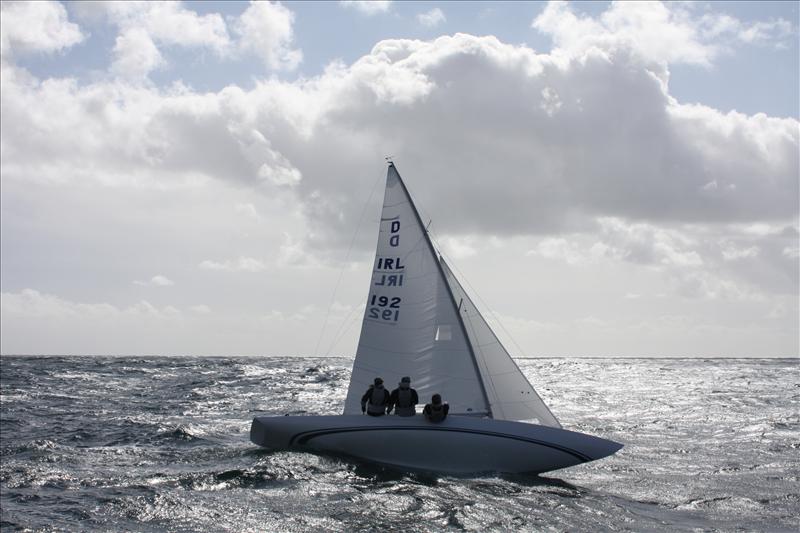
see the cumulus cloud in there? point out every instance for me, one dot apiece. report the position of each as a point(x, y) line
point(146, 27)
point(37, 322)
point(647, 244)
point(774, 31)
point(658, 33)
point(583, 149)
point(563, 139)
point(30, 303)
point(171, 23)
point(731, 252)
point(292, 252)
point(432, 18)
point(36, 27)
point(458, 247)
point(650, 29)
point(156, 281)
point(248, 210)
point(562, 249)
point(367, 7)
point(134, 136)
point(280, 316)
point(241, 264)
point(699, 262)
point(265, 29)
point(135, 54)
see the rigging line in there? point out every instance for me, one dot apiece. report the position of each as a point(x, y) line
point(405, 256)
point(497, 320)
point(339, 335)
point(483, 302)
point(344, 264)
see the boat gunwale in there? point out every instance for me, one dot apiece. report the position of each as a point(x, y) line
point(302, 438)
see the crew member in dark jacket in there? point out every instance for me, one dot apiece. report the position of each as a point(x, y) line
point(403, 399)
point(436, 411)
point(375, 400)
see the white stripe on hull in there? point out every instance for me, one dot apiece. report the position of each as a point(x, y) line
point(459, 445)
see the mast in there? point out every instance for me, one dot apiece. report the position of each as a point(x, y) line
point(452, 298)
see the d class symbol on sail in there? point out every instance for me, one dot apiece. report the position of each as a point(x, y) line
point(419, 321)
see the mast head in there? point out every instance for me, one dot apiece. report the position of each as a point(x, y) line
point(388, 159)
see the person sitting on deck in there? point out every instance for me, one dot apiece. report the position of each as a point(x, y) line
point(403, 399)
point(375, 400)
point(436, 411)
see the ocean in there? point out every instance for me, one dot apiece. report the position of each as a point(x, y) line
point(161, 444)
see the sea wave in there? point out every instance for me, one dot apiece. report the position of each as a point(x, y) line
point(161, 444)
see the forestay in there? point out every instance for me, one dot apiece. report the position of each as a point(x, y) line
point(510, 394)
point(411, 325)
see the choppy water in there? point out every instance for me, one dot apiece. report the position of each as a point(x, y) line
point(161, 444)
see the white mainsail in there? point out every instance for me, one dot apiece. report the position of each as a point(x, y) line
point(511, 396)
point(411, 325)
point(420, 322)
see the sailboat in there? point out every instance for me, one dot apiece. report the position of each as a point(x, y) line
point(420, 322)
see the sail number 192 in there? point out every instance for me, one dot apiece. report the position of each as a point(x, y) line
point(384, 308)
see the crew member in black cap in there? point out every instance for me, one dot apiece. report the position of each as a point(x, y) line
point(436, 411)
point(375, 400)
point(403, 399)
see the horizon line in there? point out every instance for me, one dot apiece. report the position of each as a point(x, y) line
point(241, 356)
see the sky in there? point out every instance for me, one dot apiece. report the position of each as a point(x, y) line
point(204, 178)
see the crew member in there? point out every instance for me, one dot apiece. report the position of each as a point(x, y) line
point(375, 400)
point(403, 399)
point(436, 411)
